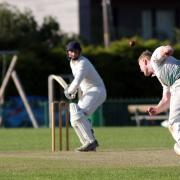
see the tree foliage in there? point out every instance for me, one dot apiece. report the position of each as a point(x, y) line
point(42, 52)
point(16, 27)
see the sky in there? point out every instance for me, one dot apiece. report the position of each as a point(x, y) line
point(65, 11)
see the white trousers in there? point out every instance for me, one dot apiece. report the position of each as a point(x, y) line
point(88, 103)
point(174, 113)
point(91, 100)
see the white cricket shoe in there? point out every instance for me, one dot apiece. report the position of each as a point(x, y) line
point(165, 123)
point(177, 148)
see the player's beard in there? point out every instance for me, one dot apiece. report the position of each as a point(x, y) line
point(75, 58)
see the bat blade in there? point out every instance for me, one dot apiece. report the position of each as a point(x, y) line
point(60, 80)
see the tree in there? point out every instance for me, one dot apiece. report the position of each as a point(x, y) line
point(16, 27)
point(49, 31)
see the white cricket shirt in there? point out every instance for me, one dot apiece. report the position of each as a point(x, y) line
point(85, 75)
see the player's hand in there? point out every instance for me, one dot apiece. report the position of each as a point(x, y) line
point(69, 96)
point(167, 51)
point(73, 96)
point(152, 111)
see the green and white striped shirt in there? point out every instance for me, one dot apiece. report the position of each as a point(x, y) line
point(166, 69)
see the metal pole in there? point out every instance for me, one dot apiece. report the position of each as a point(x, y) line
point(5, 80)
point(8, 75)
point(24, 99)
point(105, 24)
point(50, 97)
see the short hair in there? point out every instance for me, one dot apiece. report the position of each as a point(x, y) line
point(145, 54)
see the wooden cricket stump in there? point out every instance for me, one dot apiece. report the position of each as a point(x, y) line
point(62, 106)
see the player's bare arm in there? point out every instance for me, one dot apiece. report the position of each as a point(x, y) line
point(166, 51)
point(162, 106)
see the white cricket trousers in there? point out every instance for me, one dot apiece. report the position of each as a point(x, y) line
point(174, 113)
point(92, 99)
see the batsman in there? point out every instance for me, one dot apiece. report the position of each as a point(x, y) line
point(87, 79)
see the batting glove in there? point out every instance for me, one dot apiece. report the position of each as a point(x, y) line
point(69, 96)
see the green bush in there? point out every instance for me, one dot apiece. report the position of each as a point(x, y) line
point(117, 66)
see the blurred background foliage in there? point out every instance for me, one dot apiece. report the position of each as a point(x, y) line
point(41, 52)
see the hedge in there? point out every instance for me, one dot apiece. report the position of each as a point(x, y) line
point(117, 66)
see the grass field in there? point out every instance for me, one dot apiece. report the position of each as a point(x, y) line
point(126, 153)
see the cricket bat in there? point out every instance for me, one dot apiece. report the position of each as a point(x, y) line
point(61, 81)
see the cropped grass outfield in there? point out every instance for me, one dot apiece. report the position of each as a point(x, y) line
point(124, 153)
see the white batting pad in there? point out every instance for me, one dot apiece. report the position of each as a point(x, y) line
point(75, 112)
point(85, 130)
point(81, 126)
point(79, 134)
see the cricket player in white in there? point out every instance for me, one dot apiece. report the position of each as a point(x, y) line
point(167, 69)
point(93, 95)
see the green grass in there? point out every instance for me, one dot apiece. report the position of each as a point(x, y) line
point(127, 153)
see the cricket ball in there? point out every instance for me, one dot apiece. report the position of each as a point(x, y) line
point(132, 43)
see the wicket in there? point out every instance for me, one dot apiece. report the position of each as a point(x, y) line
point(62, 105)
